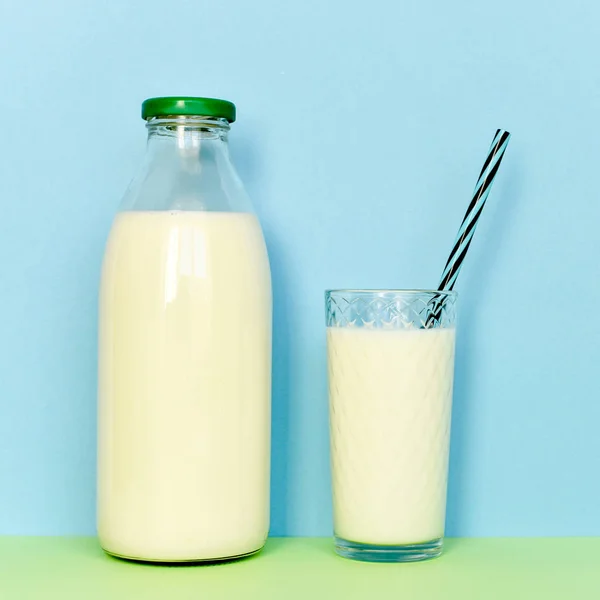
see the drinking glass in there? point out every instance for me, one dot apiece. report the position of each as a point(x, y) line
point(391, 366)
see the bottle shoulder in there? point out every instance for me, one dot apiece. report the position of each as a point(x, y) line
point(187, 180)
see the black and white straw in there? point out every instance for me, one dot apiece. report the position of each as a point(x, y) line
point(469, 223)
point(467, 228)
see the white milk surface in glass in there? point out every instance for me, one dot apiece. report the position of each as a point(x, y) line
point(184, 386)
point(390, 404)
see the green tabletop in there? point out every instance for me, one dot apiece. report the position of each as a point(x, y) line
point(294, 568)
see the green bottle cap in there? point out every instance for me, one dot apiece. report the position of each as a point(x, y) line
point(187, 105)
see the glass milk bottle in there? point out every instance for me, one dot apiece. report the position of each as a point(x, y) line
point(184, 351)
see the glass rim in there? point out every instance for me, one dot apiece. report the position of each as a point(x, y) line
point(397, 291)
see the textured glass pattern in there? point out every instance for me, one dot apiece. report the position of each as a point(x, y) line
point(392, 309)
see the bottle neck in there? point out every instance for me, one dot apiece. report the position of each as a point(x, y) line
point(187, 132)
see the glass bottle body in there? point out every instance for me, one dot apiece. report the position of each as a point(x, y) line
point(184, 357)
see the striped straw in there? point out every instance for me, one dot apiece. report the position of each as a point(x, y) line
point(469, 223)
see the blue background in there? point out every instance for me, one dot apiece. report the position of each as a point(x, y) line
point(361, 132)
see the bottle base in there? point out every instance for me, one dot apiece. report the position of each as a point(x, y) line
point(185, 561)
point(391, 554)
